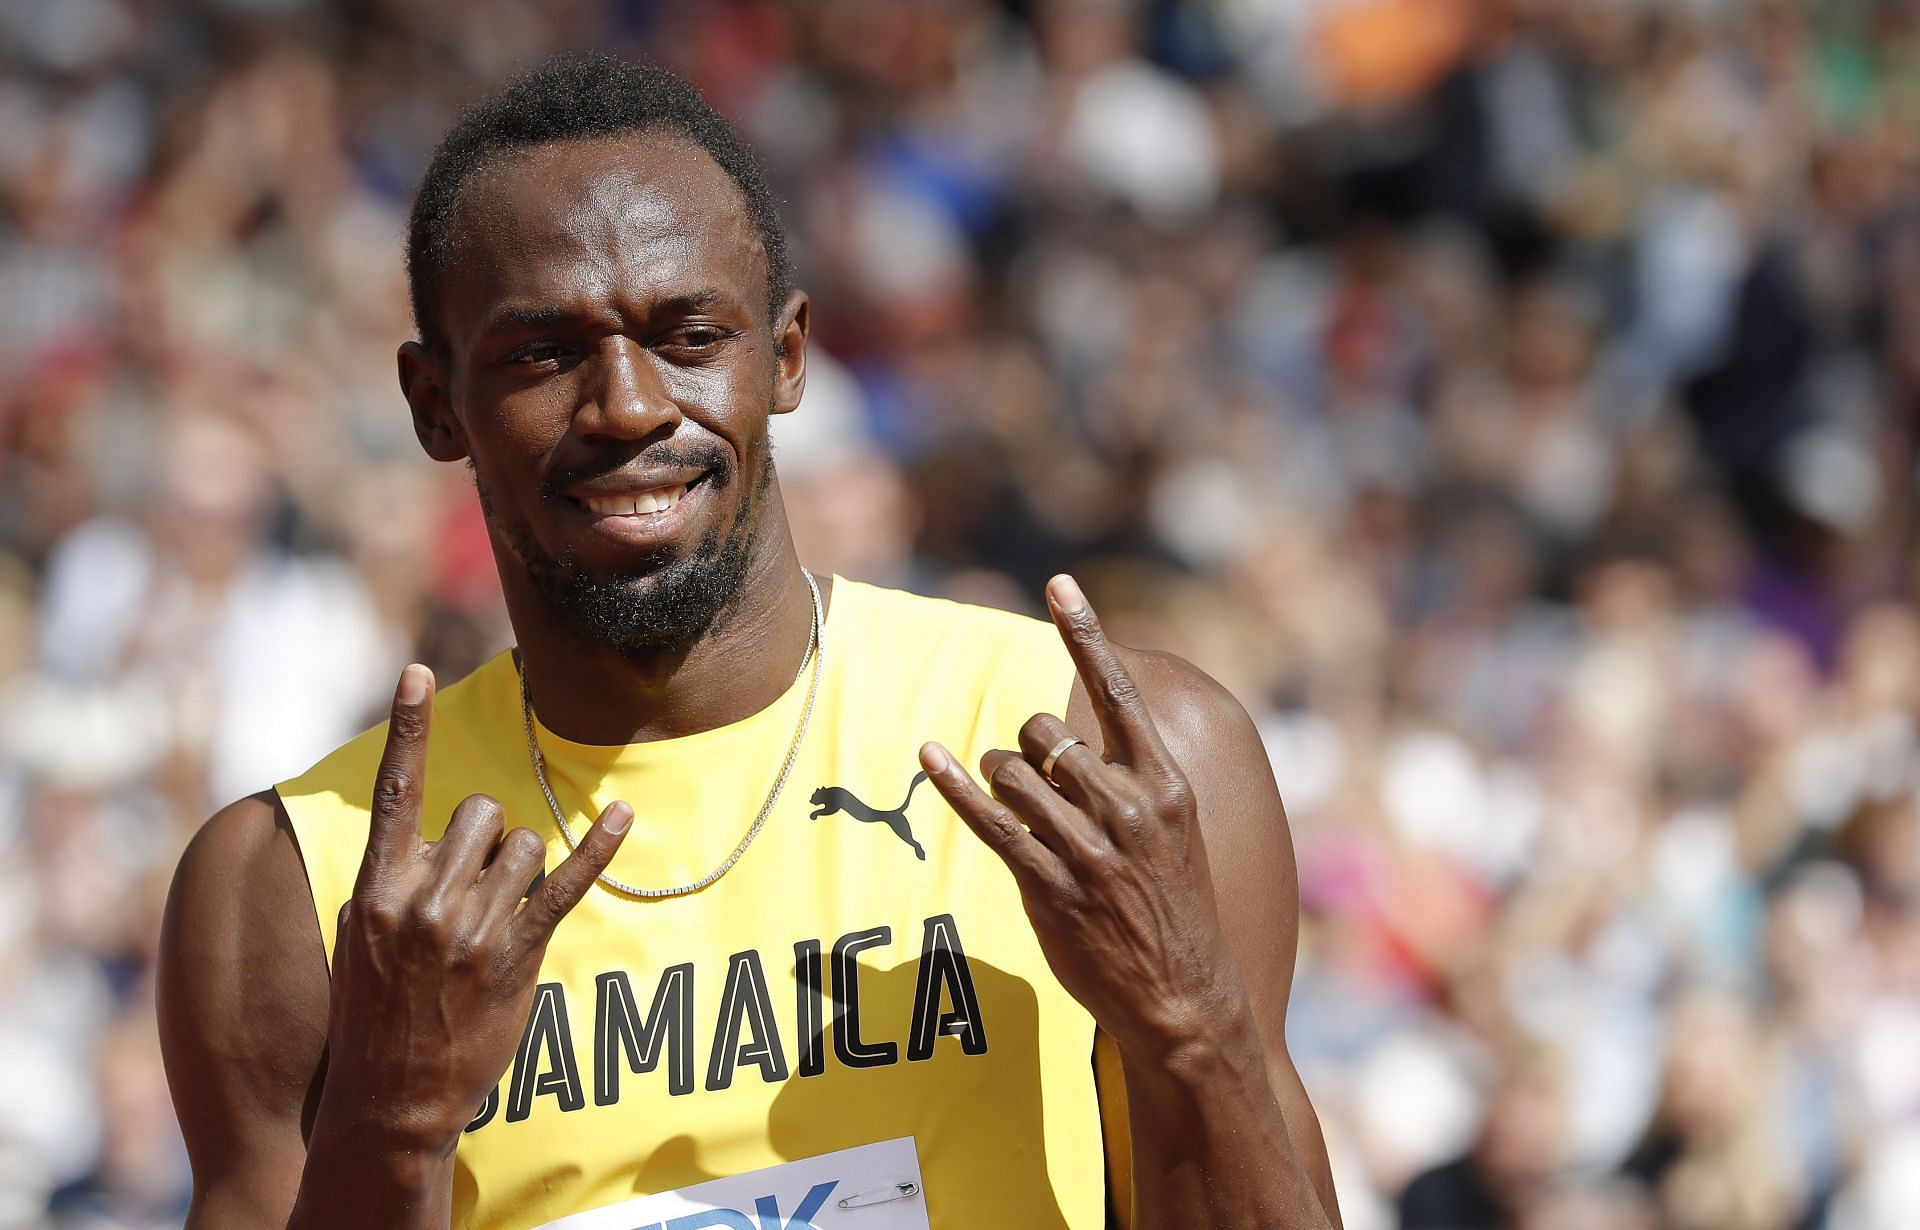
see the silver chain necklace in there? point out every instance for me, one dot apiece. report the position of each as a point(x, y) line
point(816, 649)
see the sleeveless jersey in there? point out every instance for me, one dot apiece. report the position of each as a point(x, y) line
point(865, 973)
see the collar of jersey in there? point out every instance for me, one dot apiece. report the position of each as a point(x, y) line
point(770, 725)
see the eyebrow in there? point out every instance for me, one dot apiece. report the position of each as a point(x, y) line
point(706, 299)
point(529, 318)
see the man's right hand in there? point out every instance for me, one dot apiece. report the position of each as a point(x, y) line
point(437, 957)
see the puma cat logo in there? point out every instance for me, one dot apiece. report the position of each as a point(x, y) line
point(830, 799)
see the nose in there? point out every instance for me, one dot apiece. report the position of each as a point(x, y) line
point(626, 397)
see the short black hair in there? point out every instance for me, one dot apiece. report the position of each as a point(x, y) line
point(571, 98)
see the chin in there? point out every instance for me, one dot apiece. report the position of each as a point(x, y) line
point(661, 601)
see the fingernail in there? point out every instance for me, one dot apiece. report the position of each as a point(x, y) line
point(413, 684)
point(934, 758)
point(1066, 594)
point(618, 817)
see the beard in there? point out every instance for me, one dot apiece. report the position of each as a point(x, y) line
point(666, 604)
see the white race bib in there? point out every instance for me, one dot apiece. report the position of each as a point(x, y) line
point(871, 1187)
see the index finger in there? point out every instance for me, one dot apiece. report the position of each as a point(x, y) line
point(1131, 737)
point(394, 830)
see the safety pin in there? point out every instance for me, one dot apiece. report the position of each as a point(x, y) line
point(880, 1195)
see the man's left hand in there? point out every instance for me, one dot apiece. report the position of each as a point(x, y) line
point(1108, 855)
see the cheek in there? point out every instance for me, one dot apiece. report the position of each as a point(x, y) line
point(728, 408)
point(515, 433)
point(711, 397)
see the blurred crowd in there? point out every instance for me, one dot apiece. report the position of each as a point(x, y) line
point(1516, 403)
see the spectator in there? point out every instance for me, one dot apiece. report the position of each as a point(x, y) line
point(1512, 402)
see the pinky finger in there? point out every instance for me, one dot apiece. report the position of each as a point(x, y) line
point(992, 821)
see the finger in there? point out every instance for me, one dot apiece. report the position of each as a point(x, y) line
point(511, 876)
point(1076, 771)
point(461, 853)
point(991, 821)
point(394, 830)
point(1059, 825)
point(569, 882)
point(1128, 729)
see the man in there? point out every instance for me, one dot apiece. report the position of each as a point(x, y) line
point(757, 990)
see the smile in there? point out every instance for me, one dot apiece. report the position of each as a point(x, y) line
point(639, 504)
point(647, 519)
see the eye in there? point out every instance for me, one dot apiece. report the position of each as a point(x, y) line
point(535, 354)
point(698, 339)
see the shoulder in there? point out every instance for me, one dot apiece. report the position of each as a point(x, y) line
point(1201, 722)
point(242, 859)
point(1218, 748)
point(227, 916)
point(244, 847)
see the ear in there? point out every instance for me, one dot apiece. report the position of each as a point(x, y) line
point(790, 352)
point(423, 381)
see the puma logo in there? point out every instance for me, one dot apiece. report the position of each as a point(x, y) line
point(830, 799)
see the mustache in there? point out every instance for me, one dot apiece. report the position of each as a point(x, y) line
point(714, 461)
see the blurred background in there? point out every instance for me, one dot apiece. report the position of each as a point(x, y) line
point(1514, 402)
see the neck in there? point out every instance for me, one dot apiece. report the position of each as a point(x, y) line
point(591, 693)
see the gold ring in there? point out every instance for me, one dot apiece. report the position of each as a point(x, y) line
point(1053, 757)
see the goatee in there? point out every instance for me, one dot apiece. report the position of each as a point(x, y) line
point(663, 608)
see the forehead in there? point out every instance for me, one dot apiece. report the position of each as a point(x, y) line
point(613, 221)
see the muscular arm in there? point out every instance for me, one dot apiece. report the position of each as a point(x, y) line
point(243, 1001)
point(243, 1014)
point(310, 1100)
point(1114, 846)
point(1259, 1134)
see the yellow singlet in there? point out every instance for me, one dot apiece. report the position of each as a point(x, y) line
point(865, 973)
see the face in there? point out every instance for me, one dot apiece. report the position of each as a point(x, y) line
point(609, 366)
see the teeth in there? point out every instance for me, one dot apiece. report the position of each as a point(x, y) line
point(640, 505)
